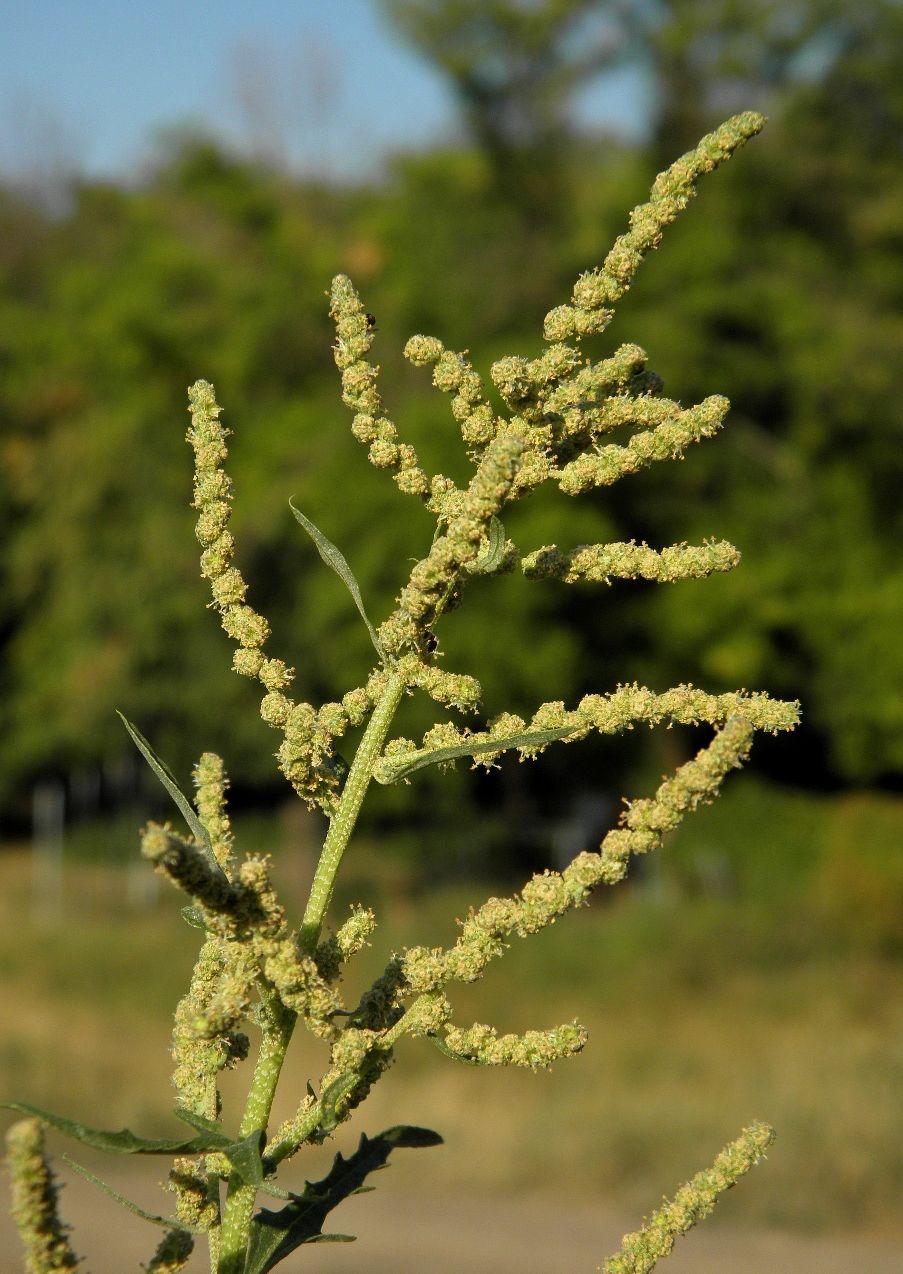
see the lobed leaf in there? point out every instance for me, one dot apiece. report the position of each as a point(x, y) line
point(275, 1235)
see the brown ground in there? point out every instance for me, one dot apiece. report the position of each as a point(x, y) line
point(456, 1233)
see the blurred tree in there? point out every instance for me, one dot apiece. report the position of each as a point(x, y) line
point(708, 58)
point(782, 287)
point(806, 331)
point(517, 65)
point(515, 69)
point(109, 312)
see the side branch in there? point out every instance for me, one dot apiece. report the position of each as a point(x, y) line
point(598, 563)
point(605, 465)
point(595, 292)
point(552, 722)
point(641, 1251)
point(371, 425)
point(549, 895)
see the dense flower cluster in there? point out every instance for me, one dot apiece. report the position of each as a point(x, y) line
point(254, 967)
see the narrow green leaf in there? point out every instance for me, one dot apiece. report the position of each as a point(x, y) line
point(167, 778)
point(267, 1187)
point(275, 1235)
point(199, 1123)
point(391, 769)
point(195, 917)
point(450, 1052)
point(124, 1141)
point(335, 560)
point(493, 555)
point(168, 1223)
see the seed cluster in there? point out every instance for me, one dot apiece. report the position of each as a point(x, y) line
point(34, 1203)
point(597, 563)
point(640, 1252)
point(597, 290)
point(307, 754)
point(371, 425)
point(550, 894)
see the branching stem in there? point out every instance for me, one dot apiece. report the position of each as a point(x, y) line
point(345, 817)
point(280, 1021)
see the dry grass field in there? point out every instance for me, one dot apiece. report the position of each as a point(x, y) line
point(702, 1016)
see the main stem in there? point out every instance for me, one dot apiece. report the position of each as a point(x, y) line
point(345, 817)
point(280, 1021)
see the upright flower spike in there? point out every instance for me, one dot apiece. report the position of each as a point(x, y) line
point(305, 756)
point(640, 1252)
point(354, 336)
point(454, 374)
point(435, 578)
point(202, 1049)
point(598, 290)
point(34, 1190)
point(211, 785)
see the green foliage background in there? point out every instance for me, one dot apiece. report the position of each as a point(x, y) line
point(781, 287)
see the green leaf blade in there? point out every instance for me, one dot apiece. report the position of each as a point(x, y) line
point(493, 555)
point(168, 1223)
point(335, 560)
point(123, 1141)
point(392, 769)
point(245, 1157)
point(275, 1235)
point(168, 780)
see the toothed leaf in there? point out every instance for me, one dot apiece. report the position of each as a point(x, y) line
point(275, 1235)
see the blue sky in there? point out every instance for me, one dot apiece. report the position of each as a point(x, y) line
point(325, 83)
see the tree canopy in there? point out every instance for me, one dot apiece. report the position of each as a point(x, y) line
point(782, 288)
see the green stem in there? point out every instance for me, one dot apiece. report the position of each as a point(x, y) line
point(280, 1021)
point(345, 817)
point(233, 1239)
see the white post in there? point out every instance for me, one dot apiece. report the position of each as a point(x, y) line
point(48, 828)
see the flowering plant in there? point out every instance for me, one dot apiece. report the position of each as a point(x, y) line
point(255, 967)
